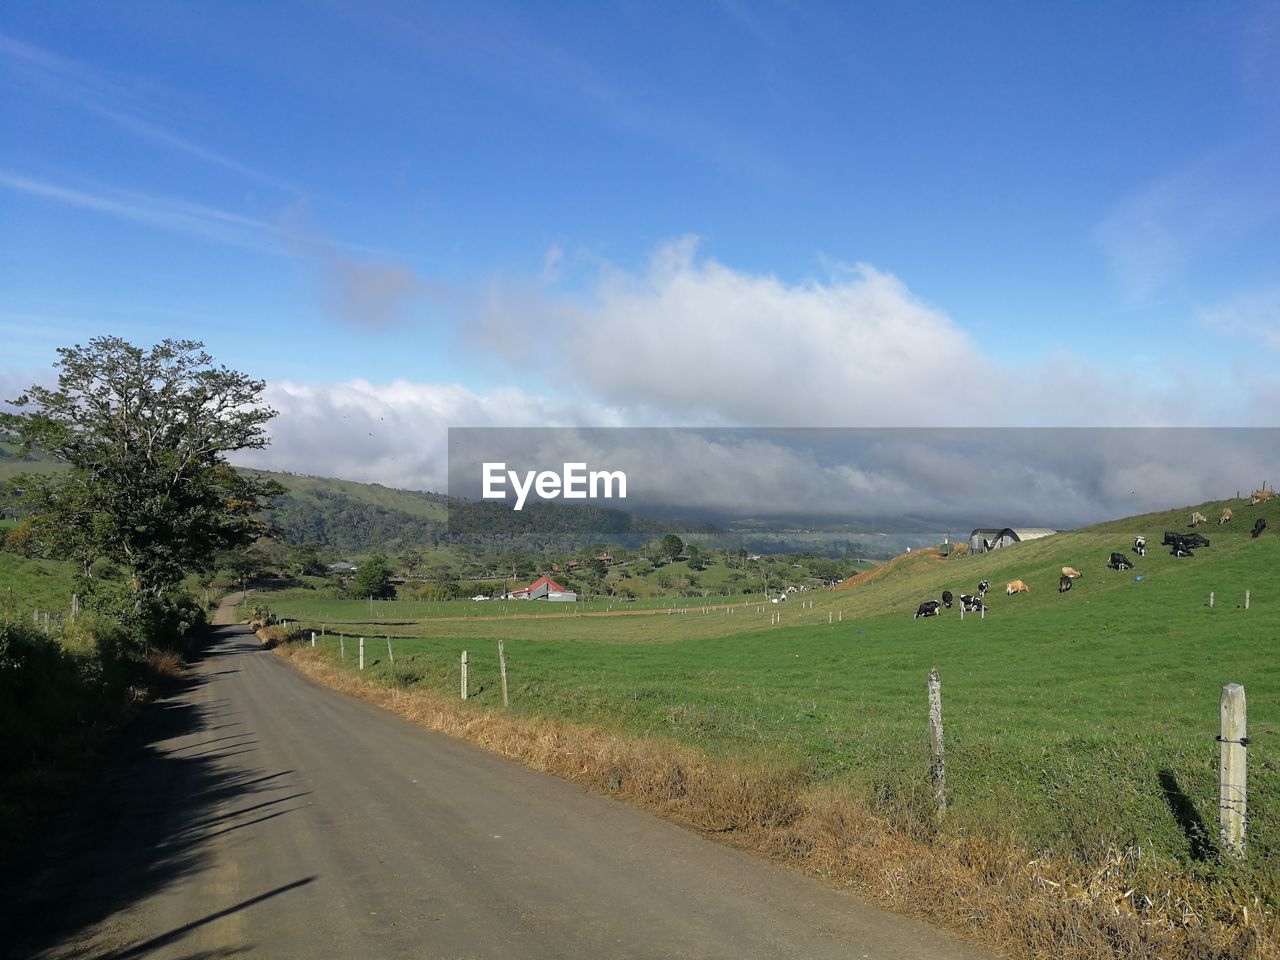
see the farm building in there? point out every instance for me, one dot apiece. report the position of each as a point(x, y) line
point(983, 539)
point(544, 588)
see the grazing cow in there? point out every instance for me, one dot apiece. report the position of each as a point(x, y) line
point(983, 587)
point(1258, 526)
point(1064, 584)
point(1016, 586)
point(971, 604)
point(946, 599)
point(1197, 517)
point(928, 609)
point(1120, 562)
point(1140, 546)
point(1071, 572)
point(1226, 515)
point(1259, 495)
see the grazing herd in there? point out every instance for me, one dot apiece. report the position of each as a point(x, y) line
point(1182, 545)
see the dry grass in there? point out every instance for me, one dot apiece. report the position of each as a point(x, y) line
point(1127, 905)
point(916, 560)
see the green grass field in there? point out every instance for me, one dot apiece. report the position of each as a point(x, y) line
point(27, 585)
point(1074, 721)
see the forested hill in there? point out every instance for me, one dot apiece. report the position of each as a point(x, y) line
point(355, 517)
point(358, 518)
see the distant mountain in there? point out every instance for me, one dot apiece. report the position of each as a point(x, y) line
point(357, 518)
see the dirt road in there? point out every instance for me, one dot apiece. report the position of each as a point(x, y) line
point(257, 814)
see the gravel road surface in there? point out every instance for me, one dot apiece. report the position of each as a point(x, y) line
point(253, 813)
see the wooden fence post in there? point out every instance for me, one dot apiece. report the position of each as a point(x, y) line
point(362, 653)
point(1233, 769)
point(464, 674)
point(502, 669)
point(938, 766)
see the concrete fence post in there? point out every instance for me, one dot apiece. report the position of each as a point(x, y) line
point(465, 661)
point(1233, 769)
point(938, 766)
point(362, 653)
point(502, 669)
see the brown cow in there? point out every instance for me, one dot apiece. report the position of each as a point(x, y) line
point(1016, 586)
point(1260, 495)
point(1197, 517)
point(1226, 515)
point(1071, 572)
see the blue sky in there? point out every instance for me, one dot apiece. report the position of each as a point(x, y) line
point(696, 212)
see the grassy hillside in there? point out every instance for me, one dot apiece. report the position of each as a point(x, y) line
point(1076, 722)
point(27, 585)
point(410, 503)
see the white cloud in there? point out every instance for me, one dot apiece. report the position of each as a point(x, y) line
point(166, 213)
point(394, 434)
point(695, 341)
point(688, 340)
point(117, 100)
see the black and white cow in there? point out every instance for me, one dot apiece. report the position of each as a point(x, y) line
point(1120, 562)
point(1258, 526)
point(947, 599)
point(1140, 546)
point(929, 608)
point(983, 587)
point(971, 604)
point(1064, 584)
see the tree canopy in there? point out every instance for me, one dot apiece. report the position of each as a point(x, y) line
point(145, 433)
point(373, 579)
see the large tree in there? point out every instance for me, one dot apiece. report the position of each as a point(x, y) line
point(145, 433)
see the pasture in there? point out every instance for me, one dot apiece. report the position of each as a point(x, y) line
point(1074, 722)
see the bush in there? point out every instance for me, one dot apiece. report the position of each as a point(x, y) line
point(276, 634)
point(405, 673)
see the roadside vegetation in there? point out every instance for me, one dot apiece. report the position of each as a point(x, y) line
point(1081, 760)
point(118, 497)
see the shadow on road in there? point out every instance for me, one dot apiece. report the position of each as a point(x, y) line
point(144, 825)
point(142, 949)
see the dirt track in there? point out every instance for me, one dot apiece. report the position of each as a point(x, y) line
point(257, 814)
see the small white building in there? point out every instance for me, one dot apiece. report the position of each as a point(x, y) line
point(544, 588)
point(983, 539)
